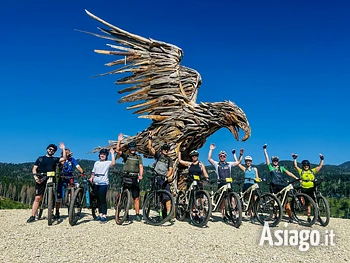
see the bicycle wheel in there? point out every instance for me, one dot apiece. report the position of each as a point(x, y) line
point(50, 204)
point(68, 196)
point(154, 208)
point(323, 211)
point(233, 209)
point(304, 209)
point(76, 206)
point(268, 209)
point(180, 204)
point(122, 207)
point(200, 208)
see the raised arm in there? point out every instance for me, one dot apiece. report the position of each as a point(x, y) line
point(64, 155)
point(120, 138)
point(211, 148)
point(318, 168)
point(150, 147)
point(185, 163)
point(266, 155)
point(241, 167)
point(295, 156)
point(113, 157)
point(241, 151)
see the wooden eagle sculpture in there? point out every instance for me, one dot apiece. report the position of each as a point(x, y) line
point(166, 93)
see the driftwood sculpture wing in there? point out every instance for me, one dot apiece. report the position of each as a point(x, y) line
point(159, 85)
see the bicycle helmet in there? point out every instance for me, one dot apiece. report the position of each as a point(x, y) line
point(103, 151)
point(305, 163)
point(275, 158)
point(248, 158)
point(194, 153)
point(165, 146)
point(222, 153)
point(51, 145)
point(132, 145)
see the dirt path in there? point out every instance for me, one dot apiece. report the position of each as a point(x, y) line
point(91, 241)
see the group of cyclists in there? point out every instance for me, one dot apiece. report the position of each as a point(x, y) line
point(133, 171)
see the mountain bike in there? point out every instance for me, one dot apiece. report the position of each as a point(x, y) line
point(123, 201)
point(154, 205)
point(48, 199)
point(265, 207)
point(195, 202)
point(299, 203)
point(324, 213)
point(68, 188)
point(233, 207)
point(83, 197)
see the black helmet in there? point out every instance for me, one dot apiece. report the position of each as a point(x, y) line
point(165, 146)
point(305, 163)
point(103, 151)
point(194, 153)
point(51, 145)
point(132, 145)
point(273, 158)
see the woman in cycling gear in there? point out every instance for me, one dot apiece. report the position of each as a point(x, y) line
point(307, 174)
point(249, 172)
point(195, 167)
point(99, 178)
point(278, 181)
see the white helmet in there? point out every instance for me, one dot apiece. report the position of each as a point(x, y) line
point(248, 158)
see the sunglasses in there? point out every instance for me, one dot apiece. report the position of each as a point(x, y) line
point(222, 156)
point(51, 149)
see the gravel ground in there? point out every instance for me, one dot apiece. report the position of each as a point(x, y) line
point(138, 242)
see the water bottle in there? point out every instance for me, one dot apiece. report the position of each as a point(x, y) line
point(87, 193)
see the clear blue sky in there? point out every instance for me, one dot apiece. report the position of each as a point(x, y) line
point(285, 63)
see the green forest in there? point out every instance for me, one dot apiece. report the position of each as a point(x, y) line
point(17, 185)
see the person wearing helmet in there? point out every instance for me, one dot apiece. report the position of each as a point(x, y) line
point(278, 181)
point(44, 164)
point(307, 176)
point(100, 181)
point(251, 175)
point(163, 165)
point(66, 169)
point(223, 170)
point(195, 167)
point(133, 172)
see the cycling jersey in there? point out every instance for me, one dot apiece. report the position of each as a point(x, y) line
point(307, 177)
point(249, 173)
point(68, 166)
point(195, 169)
point(223, 170)
point(277, 174)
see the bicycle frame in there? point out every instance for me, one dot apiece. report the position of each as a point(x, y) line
point(220, 193)
point(190, 192)
point(252, 189)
